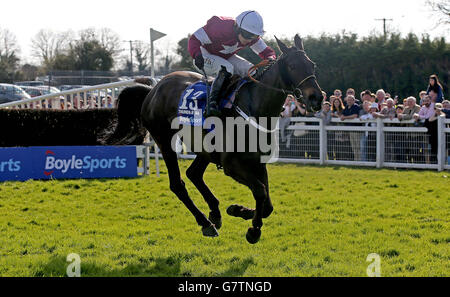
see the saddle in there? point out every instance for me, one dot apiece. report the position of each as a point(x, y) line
point(192, 102)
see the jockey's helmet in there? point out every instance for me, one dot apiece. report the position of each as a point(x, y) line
point(251, 21)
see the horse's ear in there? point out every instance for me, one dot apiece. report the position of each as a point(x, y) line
point(282, 46)
point(298, 42)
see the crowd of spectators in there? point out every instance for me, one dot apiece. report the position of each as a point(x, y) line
point(76, 103)
point(429, 105)
point(411, 111)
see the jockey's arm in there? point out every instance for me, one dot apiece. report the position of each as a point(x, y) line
point(263, 51)
point(204, 35)
point(194, 46)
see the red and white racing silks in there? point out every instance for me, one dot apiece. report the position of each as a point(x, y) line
point(219, 38)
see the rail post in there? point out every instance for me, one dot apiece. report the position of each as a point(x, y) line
point(441, 143)
point(146, 161)
point(380, 143)
point(323, 142)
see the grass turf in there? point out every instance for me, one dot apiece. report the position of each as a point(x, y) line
point(325, 223)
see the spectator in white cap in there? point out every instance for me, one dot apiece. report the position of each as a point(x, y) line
point(372, 113)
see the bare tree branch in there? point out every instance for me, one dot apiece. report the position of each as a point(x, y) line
point(142, 56)
point(440, 8)
point(8, 43)
point(46, 45)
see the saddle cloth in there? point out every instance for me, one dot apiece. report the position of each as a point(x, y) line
point(192, 102)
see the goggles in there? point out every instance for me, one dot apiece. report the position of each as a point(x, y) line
point(248, 35)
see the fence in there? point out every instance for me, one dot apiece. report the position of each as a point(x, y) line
point(143, 154)
point(88, 77)
point(378, 143)
point(95, 96)
point(374, 143)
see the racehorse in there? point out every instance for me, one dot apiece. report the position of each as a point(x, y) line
point(292, 72)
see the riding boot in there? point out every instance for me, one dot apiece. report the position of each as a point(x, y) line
point(213, 100)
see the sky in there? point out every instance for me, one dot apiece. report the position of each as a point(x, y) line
point(132, 19)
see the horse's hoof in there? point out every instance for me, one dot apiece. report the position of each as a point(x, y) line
point(217, 221)
point(240, 212)
point(210, 231)
point(253, 235)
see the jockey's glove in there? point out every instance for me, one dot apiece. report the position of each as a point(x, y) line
point(199, 61)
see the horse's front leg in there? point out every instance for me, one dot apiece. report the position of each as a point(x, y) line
point(267, 207)
point(259, 191)
point(253, 175)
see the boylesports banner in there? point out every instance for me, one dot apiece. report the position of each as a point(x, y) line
point(61, 162)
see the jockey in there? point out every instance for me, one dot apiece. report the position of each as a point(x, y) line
point(214, 47)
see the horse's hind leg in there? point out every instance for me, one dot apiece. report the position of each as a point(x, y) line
point(195, 174)
point(178, 187)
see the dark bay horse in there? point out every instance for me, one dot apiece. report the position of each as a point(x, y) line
point(293, 71)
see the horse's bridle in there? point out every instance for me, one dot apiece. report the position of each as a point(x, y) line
point(284, 91)
point(296, 90)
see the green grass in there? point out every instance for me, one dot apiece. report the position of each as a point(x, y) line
point(325, 223)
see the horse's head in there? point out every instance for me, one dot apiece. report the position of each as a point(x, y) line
point(297, 72)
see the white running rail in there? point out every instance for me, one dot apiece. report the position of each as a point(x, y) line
point(75, 96)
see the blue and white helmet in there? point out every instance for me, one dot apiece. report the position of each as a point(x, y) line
point(251, 21)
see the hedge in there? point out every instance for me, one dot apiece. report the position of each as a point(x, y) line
point(29, 127)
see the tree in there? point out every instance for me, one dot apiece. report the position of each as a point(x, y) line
point(91, 55)
point(92, 49)
point(141, 53)
point(110, 41)
point(9, 60)
point(185, 62)
point(442, 10)
point(64, 61)
point(47, 45)
point(165, 65)
point(29, 72)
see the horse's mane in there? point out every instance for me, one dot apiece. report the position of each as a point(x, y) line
point(261, 71)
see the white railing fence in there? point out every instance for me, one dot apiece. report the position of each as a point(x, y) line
point(378, 143)
point(374, 143)
point(99, 96)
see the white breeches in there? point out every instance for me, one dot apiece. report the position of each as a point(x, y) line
point(234, 65)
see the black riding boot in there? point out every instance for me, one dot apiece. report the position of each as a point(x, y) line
point(213, 101)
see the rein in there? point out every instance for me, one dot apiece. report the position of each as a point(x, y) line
point(286, 92)
point(252, 69)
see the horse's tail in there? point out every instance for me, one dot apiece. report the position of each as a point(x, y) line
point(127, 129)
